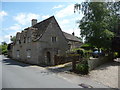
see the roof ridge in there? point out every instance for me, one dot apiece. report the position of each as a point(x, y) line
point(71, 37)
point(43, 20)
point(69, 34)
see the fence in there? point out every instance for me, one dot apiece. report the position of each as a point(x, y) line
point(64, 59)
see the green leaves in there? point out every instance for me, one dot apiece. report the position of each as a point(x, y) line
point(82, 67)
point(13, 38)
point(107, 34)
point(3, 48)
point(98, 25)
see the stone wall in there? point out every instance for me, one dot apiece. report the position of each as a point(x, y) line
point(28, 40)
point(95, 62)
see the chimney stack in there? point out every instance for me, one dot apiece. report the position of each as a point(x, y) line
point(34, 21)
point(73, 34)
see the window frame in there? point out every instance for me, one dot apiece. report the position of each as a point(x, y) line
point(18, 53)
point(53, 39)
point(28, 53)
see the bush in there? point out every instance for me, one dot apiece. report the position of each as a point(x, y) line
point(88, 53)
point(4, 52)
point(87, 46)
point(82, 67)
point(3, 49)
point(78, 51)
point(115, 54)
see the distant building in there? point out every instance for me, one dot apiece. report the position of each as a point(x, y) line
point(39, 43)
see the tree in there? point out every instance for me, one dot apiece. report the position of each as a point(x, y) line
point(4, 43)
point(3, 48)
point(13, 38)
point(99, 22)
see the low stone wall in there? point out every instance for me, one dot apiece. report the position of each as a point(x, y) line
point(95, 62)
point(64, 59)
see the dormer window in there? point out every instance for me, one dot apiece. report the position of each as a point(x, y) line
point(54, 39)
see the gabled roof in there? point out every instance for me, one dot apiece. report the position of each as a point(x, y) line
point(71, 37)
point(42, 26)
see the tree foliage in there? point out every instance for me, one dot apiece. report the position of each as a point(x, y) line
point(98, 25)
point(3, 48)
point(13, 38)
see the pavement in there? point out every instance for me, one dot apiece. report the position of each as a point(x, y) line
point(19, 75)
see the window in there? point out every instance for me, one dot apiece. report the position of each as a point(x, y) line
point(24, 40)
point(18, 53)
point(17, 41)
point(29, 39)
point(58, 52)
point(54, 39)
point(28, 53)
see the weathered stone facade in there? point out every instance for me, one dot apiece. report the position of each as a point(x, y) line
point(39, 43)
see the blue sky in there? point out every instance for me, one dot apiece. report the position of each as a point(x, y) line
point(16, 16)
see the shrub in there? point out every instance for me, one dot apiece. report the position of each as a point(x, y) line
point(82, 67)
point(3, 49)
point(87, 46)
point(115, 54)
point(78, 51)
point(88, 53)
point(4, 52)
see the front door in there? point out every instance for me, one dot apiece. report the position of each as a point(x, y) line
point(48, 58)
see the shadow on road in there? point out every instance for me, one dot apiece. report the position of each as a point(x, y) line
point(8, 61)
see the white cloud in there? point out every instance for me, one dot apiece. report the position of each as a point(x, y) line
point(10, 31)
point(68, 11)
point(2, 14)
point(45, 16)
point(25, 18)
point(69, 27)
point(5, 38)
point(58, 6)
point(63, 22)
point(15, 27)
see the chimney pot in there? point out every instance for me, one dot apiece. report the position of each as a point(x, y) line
point(34, 21)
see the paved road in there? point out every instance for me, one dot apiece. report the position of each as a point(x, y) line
point(19, 75)
point(0, 73)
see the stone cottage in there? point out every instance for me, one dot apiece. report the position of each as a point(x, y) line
point(39, 43)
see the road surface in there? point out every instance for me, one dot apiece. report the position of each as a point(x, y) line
point(20, 75)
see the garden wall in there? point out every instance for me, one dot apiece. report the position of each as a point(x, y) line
point(95, 62)
point(64, 59)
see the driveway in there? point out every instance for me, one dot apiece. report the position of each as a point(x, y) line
point(107, 74)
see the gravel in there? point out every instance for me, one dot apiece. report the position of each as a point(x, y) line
point(106, 74)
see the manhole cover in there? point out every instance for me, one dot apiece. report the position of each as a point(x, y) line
point(85, 85)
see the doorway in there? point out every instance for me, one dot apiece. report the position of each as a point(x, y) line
point(48, 57)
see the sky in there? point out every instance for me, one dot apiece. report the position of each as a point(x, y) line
point(16, 16)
